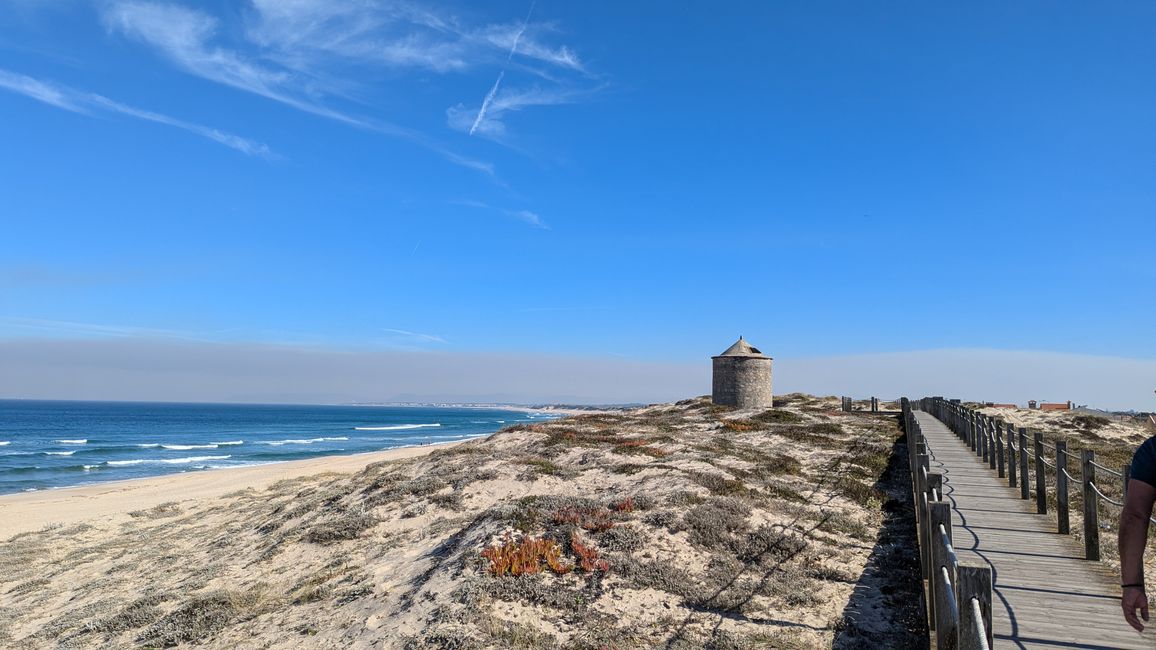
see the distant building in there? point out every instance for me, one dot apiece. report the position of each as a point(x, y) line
point(1053, 406)
point(742, 377)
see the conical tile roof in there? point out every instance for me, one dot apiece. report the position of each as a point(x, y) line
point(742, 349)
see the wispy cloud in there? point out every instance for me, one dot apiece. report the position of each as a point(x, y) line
point(428, 338)
point(526, 216)
point(85, 103)
point(70, 328)
point(185, 36)
point(307, 35)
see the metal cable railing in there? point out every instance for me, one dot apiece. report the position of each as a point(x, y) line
point(949, 591)
point(977, 619)
point(1103, 496)
point(1108, 470)
point(1024, 463)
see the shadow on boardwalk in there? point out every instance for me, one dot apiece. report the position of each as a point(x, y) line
point(886, 608)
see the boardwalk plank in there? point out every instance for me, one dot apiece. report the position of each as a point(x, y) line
point(1045, 594)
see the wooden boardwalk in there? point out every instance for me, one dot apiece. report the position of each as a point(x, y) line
point(1045, 594)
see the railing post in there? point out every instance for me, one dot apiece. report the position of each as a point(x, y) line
point(921, 511)
point(1041, 475)
point(1025, 489)
point(974, 583)
point(1011, 456)
point(934, 484)
point(1091, 509)
point(941, 620)
point(972, 439)
point(993, 445)
point(981, 429)
point(1062, 487)
point(999, 457)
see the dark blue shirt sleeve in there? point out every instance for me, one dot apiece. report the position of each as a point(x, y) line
point(1144, 462)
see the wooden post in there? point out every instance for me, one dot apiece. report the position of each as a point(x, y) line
point(1062, 487)
point(999, 456)
point(921, 512)
point(941, 615)
point(1025, 489)
point(974, 583)
point(934, 483)
point(1041, 476)
point(1011, 456)
point(971, 432)
point(993, 448)
point(981, 430)
point(1091, 509)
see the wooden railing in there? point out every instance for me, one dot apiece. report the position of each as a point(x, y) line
point(990, 437)
point(958, 595)
point(849, 404)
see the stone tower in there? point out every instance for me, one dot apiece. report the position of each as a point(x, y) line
point(742, 377)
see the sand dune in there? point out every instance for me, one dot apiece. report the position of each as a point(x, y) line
point(682, 525)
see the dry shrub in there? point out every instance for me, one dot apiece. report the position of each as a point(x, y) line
point(169, 509)
point(1090, 422)
point(842, 523)
point(825, 428)
point(136, 614)
point(622, 538)
point(542, 466)
point(197, 619)
point(718, 484)
point(712, 524)
point(778, 465)
point(525, 556)
point(778, 416)
point(860, 493)
point(451, 500)
point(346, 527)
point(684, 498)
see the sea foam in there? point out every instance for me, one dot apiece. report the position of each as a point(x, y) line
point(5, 442)
point(166, 461)
point(301, 441)
point(398, 427)
point(59, 453)
point(80, 441)
point(229, 444)
point(188, 447)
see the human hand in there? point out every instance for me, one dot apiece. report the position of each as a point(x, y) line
point(1134, 599)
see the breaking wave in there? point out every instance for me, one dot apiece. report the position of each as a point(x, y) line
point(398, 427)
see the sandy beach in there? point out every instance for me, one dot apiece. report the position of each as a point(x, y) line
point(29, 511)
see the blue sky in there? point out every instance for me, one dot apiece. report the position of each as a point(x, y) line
point(647, 179)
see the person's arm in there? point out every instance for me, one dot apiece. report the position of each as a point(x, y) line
point(1133, 539)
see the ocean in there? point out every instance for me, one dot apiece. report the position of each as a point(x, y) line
point(53, 444)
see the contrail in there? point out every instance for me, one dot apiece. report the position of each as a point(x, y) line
point(486, 103)
point(498, 82)
point(518, 36)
